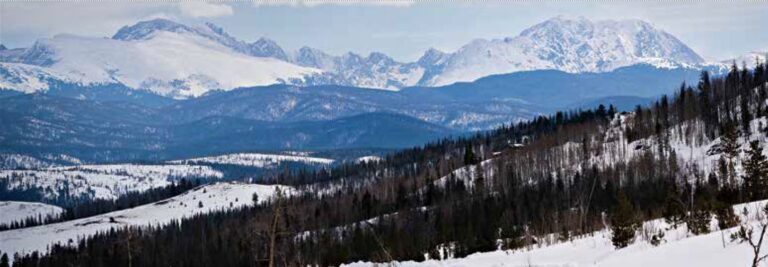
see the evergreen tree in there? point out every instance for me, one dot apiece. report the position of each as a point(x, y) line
point(698, 221)
point(705, 99)
point(726, 218)
point(469, 155)
point(623, 222)
point(746, 116)
point(479, 183)
point(4, 261)
point(755, 171)
point(701, 214)
point(674, 209)
point(730, 150)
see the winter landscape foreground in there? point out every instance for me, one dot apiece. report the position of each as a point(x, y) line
point(679, 248)
point(408, 133)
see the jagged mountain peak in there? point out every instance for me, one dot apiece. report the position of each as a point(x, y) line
point(432, 57)
point(378, 57)
point(144, 29)
point(265, 41)
point(312, 57)
point(264, 47)
point(216, 28)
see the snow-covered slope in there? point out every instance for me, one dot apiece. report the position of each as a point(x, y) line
point(255, 160)
point(13, 211)
point(102, 181)
point(27, 78)
point(571, 45)
point(174, 64)
point(215, 197)
point(110, 181)
point(678, 249)
point(21, 161)
point(376, 70)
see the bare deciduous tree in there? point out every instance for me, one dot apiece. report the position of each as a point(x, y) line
point(746, 234)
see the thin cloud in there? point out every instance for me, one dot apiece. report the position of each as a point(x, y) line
point(199, 9)
point(313, 3)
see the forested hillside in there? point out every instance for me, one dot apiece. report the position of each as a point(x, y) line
point(686, 158)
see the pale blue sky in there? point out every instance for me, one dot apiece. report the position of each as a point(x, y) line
point(403, 29)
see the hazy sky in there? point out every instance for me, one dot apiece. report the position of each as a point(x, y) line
point(402, 29)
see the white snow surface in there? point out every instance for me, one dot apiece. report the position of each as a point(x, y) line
point(178, 65)
point(679, 248)
point(13, 211)
point(257, 159)
point(215, 197)
point(26, 78)
point(568, 44)
point(103, 181)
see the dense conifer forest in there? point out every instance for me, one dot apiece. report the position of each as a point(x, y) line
point(550, 179)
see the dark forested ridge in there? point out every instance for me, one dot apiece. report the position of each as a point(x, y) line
point(560, 174)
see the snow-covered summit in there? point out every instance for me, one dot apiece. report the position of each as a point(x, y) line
point(144, 29)
point(267, 48)
point(568, 44)
point(174, 63)
point(432, 57)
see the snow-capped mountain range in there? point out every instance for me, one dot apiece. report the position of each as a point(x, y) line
point(749, 59)
point(180, 61)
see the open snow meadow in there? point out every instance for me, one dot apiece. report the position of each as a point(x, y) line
point(102, 181)
point(201, 200)
point(16, 211)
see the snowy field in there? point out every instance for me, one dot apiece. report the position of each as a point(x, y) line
point(215, 197)
point(13, 211)
point(103, 181)
point(257, 160)
point(679, 248)
point(110, 181)
point(20, 161)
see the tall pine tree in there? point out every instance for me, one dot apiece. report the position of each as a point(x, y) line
point(755, 172)
point(624, 223)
